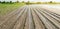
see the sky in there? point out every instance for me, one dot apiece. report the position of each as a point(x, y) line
point(33, 0)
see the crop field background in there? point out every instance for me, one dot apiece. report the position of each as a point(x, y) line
point(29, 14)
point(6, 8)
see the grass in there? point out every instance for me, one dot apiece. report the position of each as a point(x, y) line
point(6, 8)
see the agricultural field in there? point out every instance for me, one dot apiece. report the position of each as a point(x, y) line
point(32, 17)
point(26, 15)
point(6, 8)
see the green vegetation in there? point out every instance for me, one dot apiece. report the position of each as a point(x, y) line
point(28, 3)
point(7, 7)
point(6, 2)
point(51, 2)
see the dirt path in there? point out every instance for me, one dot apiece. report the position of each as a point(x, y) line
point(31, 17)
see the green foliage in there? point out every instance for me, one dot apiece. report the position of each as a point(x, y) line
point(7, 2)
point(0, 1)
point(11, 2)
point(51, 2)
point(17, 1)
point(3, 2)
point(28, 2)
point(7, 8)
point(23, 2)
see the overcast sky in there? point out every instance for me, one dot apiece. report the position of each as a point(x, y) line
point(33, 0)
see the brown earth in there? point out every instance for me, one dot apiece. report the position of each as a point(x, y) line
point(30, 17)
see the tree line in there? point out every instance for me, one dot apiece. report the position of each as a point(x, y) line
point(28, 2)
point(9, 2)
point(50, 2)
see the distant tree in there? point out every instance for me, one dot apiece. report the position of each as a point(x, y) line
point(10, 1)
point(0, 1)
point(3, 2)
point(7, 2)
point(17, 1)
point(23, 2)
point(51, 2)
point(28, 3)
